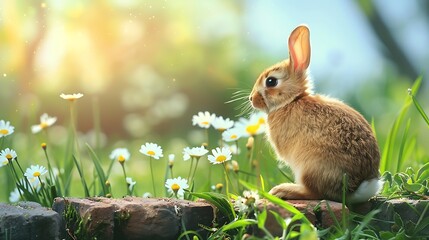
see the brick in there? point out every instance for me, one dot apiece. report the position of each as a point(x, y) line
point(137, 218)
point(28, 220)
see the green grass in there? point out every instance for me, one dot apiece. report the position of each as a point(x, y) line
point(86, 170)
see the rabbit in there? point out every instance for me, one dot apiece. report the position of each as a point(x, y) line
point(319, 137)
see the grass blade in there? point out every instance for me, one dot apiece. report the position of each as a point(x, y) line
point(85, 187)
point(99, 170)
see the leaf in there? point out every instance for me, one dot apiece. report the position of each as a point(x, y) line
point(82, 179)
point(412, 187)
point(384, 235)
point(423, 173)
point(219, 201)
point(99, 169)
point(262, 217)
point(279, 219)
point(239, 223)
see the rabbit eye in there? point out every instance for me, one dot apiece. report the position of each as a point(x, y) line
point(271, 82)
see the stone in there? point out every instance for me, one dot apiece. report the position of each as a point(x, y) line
point(322, 214)
point(135, 218)
point(28, 220)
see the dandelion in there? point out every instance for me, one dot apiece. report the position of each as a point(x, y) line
point(71, 97)
point(15, 195)
point(195, 152)
point(130, 184)
point(45, 122)
point(232, 134)
point(152, 150)
point(120, 154)
point(220, 155)
point(5, 128)
point(221, 124)
point(203, 120)
point(35, 171)
point(177, 186)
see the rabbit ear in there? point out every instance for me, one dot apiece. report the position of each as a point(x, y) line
point(299, 48)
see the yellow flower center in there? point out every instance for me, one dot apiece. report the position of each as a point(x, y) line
point(151, 153)
point(43, 125)
point(9, 156)
point(205, 123)
point(121, 158)
point(221, 158)
point(234, 136)
point(252, 129)
point(4, 131)
point(36, 174)
point(261, 121)
point(175, 187)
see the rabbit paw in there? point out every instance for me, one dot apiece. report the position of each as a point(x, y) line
point(291, 191)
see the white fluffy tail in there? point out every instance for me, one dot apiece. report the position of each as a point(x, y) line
point(366, 190)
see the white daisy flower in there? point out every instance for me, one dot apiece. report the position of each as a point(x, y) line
point(171, 158)
point(176, 186)
point(203, 120)
point(233, 148)
point(45, 121)
point(221, 124)
point(130, 183)
point(232, 134)
point(120, 154)
point(220, 155)
point(15, 196)
point(151, 150)
point(195, 152)
point(5, 128)
point(147, 195)
point(71, 97)
point(253, 126)
point(6, 156)
point(35, 171)
point(34, 183)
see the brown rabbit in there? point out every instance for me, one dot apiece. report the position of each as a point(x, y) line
point(319, 137)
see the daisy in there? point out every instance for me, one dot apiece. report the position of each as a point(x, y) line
point(71, 97)
point(130, 183)
point(151, 150)
point(253, 126)
point(221, 124)
point(171, 159)
point(195, 152)
point(232, 134)
point(6, 156)
point(35, 171)
point(45, 121)
point(176, 186)
point(15, 195)
point(120, 154)
point(5, 128)
point(220, 155)
point(203, 120)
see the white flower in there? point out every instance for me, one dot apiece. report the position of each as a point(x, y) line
point(248, 200)
point(15, 196)
point(120, 154)
point(130, 183)
point(232, 134)
point(45, 121)
point(35, 171)
point(203, 120)
point(151, 150)
point(171, 159)
point(34, 183)
point(220, 155)
point(71, 97)
point(195, 152)
point(147, 195)
point(253, 126)
point(233, 148)
point(240, 205)
point(176, 186)
point(222, 124)
point(7, 154)
point(5, 128)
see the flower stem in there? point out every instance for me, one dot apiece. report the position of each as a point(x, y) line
point(153, 179)
point(190, 170)
point(125, 178)
point(195, 169)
